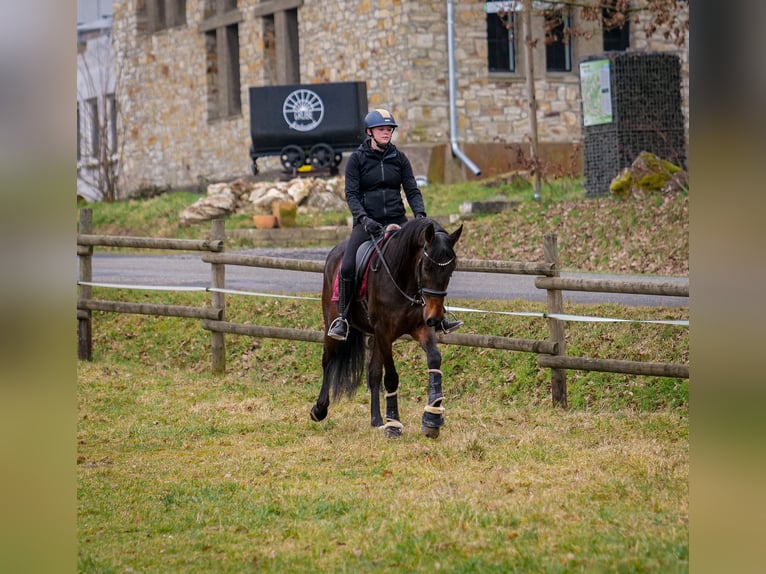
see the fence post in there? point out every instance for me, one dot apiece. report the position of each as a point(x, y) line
point(556, 326)
point(218, 280)
point(84, 318)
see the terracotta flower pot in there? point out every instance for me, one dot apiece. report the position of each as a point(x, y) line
point(265, 221)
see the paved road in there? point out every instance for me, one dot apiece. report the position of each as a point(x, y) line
point(188, 270)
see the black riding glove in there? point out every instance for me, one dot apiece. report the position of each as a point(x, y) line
point(371, 226)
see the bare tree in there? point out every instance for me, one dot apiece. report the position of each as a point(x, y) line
point(99, 143)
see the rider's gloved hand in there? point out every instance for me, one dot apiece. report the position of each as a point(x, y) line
point(371, 226)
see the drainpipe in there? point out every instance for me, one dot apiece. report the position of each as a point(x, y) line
point(456, 151)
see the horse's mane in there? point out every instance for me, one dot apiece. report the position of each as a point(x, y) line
point(403, 245)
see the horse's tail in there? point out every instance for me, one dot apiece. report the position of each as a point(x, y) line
point(345, 369)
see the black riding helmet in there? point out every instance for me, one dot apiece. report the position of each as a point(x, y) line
point(379, 117)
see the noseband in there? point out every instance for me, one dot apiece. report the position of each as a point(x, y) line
point(425, 290)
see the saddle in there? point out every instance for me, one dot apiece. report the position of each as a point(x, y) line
point(364, 258)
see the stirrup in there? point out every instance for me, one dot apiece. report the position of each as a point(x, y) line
point(338, 329)
point(450, 326)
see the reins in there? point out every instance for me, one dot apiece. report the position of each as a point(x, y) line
point(418, 299)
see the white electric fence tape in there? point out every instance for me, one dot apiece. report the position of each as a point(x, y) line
point(560, 316)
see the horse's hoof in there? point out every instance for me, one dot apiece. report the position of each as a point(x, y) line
point(432, 420)
point(430, 432)
point(392, 428)
point(316, 415)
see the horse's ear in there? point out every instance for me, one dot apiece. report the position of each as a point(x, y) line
point(428, 233)
point(455, 235)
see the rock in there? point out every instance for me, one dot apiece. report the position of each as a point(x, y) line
point(308, 194)
point(649, 174)
point(265, 197)
point(299, 190)
point(325, 201)
point(221, 204)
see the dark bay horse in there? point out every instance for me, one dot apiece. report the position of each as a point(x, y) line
point(406, 286)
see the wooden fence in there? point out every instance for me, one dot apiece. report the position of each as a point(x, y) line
point(551, 353)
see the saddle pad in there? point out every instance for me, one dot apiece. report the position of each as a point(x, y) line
point(363, 259)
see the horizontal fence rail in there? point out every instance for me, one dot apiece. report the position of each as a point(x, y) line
point(513, 267)
point(612, 286)
point(150, 309)
point(615, 366)
point(149, 242)
point(551, 353)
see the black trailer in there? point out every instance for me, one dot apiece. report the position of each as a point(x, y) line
point(307, 124)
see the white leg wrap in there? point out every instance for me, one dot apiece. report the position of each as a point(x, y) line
point(391, 423)
point(435, 408)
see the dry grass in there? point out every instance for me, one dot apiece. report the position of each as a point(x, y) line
point(181, 471)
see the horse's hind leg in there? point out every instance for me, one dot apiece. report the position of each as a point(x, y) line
point(374, 376)
point(319, 410)
point(393, 427)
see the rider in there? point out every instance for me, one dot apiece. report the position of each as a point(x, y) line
point(375, 173)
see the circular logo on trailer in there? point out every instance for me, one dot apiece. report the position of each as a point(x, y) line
point(303, 110)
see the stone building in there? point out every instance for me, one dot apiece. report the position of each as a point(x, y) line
point(185, 67)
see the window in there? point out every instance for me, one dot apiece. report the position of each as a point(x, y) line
point(94, 127)
point(501, 40)
point(162, 14)
point(616, 29)
point(280, 38)
point(558, 48)
point(221, 29)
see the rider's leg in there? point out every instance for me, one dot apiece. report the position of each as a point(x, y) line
point(339, 327)
point(448, 326)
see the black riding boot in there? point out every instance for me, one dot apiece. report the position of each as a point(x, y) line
point(339, 327)
point(449, 326)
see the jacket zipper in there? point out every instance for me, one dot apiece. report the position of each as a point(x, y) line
point(382, 179)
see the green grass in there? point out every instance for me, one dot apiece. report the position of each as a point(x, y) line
point(646, 235)
point(180, 470)
point(183, 471)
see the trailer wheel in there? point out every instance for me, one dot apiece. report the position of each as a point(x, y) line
point(321, 156)
point(292, 157)
point(335, 163)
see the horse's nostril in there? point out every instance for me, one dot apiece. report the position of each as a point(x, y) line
point(431, 322)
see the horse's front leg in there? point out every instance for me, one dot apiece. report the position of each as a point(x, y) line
point(382, 366)
point(433, 415)
point(393, 427)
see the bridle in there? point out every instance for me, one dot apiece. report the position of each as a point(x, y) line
point(418, 298)
point(426, 290)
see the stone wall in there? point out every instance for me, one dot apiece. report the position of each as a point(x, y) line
point(398, 47)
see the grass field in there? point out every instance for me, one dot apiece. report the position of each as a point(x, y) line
point(182, 471)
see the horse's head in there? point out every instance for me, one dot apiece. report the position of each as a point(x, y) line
point(435, 270)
